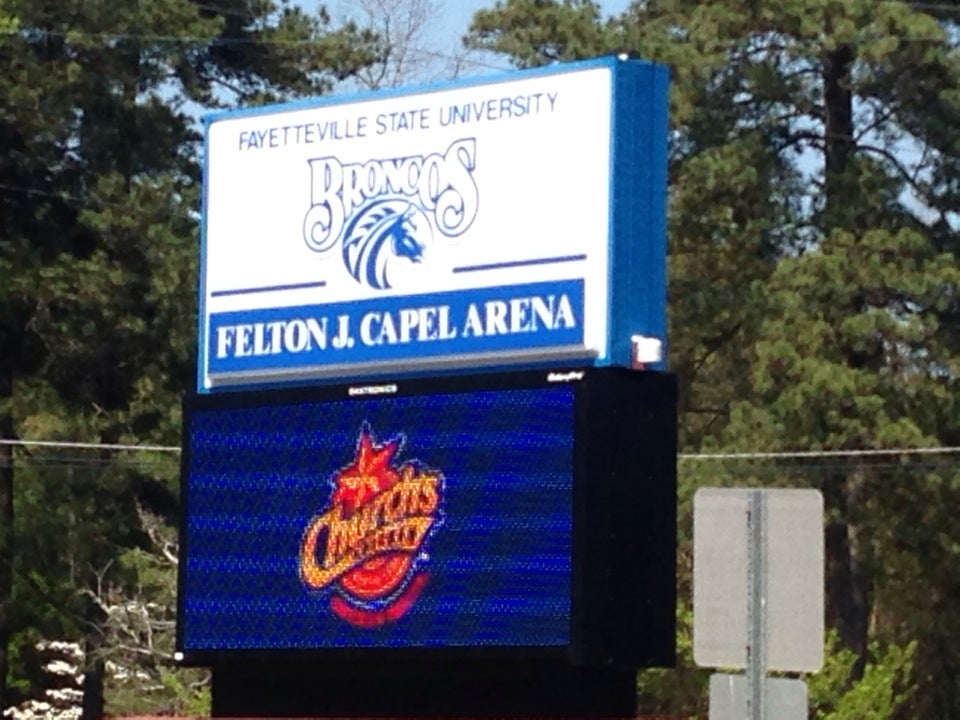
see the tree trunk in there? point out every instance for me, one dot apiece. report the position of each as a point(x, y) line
point(838, 130)
point(848, 588)
point(6, 531)
point(92, 707)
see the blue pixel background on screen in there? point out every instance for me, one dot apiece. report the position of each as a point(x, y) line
point(498, 564)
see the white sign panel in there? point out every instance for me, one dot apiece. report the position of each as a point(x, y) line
point(795, 578)
point(457, 227)
point(786, 698)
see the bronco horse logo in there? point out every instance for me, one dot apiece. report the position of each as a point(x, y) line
point(380, 234)
point(388, 212)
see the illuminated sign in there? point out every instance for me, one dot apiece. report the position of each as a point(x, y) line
point(453, 515)
point(513, 221)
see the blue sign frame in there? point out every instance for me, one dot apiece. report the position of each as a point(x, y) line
point(489, 316)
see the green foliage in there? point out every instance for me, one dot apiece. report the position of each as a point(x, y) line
point(539, 32)
point(853, 351)
point(887, 683)
point(267, 51)
point(191, 700)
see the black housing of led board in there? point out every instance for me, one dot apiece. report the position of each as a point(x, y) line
point(624, 533)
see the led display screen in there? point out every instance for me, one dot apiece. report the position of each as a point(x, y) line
point(378, 520)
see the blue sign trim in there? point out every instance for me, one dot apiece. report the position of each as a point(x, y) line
point(202, 270)
point(638, 201)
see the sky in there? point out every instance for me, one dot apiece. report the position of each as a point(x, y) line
point(443, 35)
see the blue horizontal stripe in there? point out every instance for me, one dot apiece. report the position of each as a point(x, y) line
point(268, 289)
point(520, 263)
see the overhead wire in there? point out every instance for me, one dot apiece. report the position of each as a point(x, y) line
point(77, 445)
point(774, 455)
point(781, 455)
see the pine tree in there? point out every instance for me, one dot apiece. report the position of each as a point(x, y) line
point(99, 194)
point(814, 289)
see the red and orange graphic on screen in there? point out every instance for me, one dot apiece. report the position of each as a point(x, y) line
point(367, 545)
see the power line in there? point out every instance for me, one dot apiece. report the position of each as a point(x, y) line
point(70, 445)
point(797, 454)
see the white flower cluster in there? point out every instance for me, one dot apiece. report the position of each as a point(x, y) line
point(122, 673)
point(63, 648)
point(39, 710)
point(60, 667)
point(59, 703)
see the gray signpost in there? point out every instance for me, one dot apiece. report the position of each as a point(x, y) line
point(758, 575)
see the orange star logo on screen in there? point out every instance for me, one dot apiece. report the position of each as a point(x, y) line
point(367, 544)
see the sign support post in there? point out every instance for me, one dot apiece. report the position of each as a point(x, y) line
point(756, 670)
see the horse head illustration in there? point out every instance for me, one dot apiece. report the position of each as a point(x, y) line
point(380, 234)
point(404, 243)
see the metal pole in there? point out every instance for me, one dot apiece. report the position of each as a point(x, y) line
point(756, 606)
